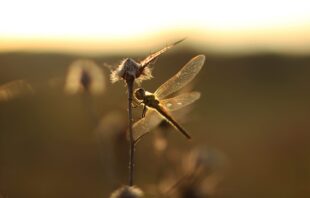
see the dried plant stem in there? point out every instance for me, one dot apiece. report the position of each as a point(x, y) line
point(175, 185)
point(130, 82)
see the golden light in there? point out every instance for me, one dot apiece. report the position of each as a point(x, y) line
point(108, 26)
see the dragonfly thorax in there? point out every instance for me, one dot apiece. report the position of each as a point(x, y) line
point(151, 101)
point(147, 97)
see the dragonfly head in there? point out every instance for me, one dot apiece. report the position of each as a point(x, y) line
point(140, 93)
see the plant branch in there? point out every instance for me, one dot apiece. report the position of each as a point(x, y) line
point(130, 82)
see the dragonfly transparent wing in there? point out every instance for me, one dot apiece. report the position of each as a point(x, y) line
point(182, 78)
point(153, 118)
point(146, 124)
point(180, 101)
point(153, 56)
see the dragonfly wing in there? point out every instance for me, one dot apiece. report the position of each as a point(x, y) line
point(180, 101)
point(146, 124)
point(153, 56)
point(182, 78)
point(153, 118)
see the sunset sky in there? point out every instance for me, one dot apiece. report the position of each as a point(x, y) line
point(111, 26)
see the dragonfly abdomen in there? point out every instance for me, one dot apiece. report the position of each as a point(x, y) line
point(169, 118)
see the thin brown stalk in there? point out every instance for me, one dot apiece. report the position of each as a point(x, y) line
point(130, 82)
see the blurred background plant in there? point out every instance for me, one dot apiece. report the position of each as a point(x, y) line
point(127, 192)
point(200, 173)
point(111, 135)
point(85, 76)
point(14, 89)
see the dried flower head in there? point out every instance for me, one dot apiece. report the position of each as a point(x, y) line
point(127, 192)
point(139, 71)
point(130, 68)
point(85, 75)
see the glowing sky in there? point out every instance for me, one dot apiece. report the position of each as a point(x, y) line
point(95, 25)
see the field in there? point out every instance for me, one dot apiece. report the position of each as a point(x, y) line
point(253, 116)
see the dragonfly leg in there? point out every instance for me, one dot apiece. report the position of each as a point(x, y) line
point(144, 111)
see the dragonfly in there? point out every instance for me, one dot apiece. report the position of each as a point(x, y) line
point(157, 107)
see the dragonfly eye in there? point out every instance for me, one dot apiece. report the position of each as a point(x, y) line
point(140, 94)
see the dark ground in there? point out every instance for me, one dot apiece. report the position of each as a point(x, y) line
point(254, 110)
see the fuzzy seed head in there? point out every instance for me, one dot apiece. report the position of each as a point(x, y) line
point(85, 76)
point(127, 192)
point(145, 74)
point(130, 69)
